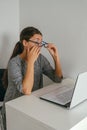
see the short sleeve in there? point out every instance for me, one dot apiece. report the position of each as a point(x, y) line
point(15, 74)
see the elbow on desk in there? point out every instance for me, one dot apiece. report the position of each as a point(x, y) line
point(26, 91)
point(58, 79)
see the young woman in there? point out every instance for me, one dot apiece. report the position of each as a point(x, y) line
point(27, 66)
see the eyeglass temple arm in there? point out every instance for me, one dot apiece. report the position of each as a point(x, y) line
point(33, 41)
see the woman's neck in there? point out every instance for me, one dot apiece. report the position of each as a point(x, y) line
point(23, 55)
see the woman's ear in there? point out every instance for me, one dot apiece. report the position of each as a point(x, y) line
point(25, 43)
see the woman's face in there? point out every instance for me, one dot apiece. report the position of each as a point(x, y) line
point(35, 40)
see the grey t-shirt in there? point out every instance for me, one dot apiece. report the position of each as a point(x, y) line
point(17, 70)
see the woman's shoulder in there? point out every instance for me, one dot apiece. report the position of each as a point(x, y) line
point(15, 60)
point(43, 59)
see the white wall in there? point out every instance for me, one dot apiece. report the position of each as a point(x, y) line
point(63, 22)
point(9, 29)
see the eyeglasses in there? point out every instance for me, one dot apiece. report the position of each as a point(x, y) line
point(43, 43)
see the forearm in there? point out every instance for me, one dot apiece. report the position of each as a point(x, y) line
point(54, 53)
point(28, 79)
point(58, 70)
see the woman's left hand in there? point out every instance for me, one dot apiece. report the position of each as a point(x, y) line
point(53, 50)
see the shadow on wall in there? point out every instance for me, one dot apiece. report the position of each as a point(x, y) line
point(4, 51)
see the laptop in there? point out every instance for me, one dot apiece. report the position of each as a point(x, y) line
point(69, 96)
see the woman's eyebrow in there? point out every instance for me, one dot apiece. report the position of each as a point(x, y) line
point(37, 39)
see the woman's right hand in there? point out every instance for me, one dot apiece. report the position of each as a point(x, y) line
point(28, 81)
point(33, 53)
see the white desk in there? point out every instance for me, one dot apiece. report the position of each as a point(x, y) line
point(32, 113)
point(82, 125)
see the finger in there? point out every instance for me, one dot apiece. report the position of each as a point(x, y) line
point(38, 54)
point(32, 48)
point(36, 49)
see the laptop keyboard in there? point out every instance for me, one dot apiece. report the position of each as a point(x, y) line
point(61, 95)
point(65, 97)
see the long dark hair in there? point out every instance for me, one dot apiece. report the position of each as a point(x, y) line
point(25, 34)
